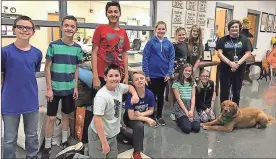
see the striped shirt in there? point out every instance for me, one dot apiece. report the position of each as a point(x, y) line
point(64, 60)
point(184, 90)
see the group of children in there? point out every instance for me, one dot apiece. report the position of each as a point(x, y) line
point(175, 64)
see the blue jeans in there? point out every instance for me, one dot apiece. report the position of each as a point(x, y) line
point(11, 124)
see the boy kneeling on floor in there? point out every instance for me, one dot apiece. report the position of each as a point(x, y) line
point(105, 125)
point(137, 114)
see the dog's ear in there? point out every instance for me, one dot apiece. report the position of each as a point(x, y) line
point(235, 107)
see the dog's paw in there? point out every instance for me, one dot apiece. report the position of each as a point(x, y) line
point(205, 127)
point(201, 124)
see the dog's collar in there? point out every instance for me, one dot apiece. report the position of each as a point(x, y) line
point(228, 119)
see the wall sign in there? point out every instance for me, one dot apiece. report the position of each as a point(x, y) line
point(190, 17)
point(178, 4)
point(191, 5)
point(202, 6)
point(201, 19)
point(177, 16)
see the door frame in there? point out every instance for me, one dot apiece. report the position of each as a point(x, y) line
point(258, 14)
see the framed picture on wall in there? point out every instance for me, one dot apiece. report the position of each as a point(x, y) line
point(270, 23)
point(264, 22)
point(274, 24)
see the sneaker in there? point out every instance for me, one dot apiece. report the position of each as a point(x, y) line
point(74, 148)
point(64, 145)
point(161, 121)
point(46, 153)
point(172, 115)
point(136, 155)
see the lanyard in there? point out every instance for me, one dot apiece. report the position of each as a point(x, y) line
point(235, 45)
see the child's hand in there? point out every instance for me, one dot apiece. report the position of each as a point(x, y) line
point(49, 95)
point(190, 113)
point(76, 93)
point(134, 99)
point(137, 113)
point(151, 123)
point(166, 79)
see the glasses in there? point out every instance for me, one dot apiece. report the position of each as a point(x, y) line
point(21, 27)
point(205, 76)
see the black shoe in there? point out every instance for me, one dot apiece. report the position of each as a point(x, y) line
point(161, 121)
point(64, 145)
point(46, 153)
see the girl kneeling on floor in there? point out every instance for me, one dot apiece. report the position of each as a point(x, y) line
point(205, 96)
point(137, 114)
point(186, 115)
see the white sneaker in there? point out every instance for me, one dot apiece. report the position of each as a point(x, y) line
point(77, 147)
point(172, 115)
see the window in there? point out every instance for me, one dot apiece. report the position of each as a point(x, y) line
point(133, 12)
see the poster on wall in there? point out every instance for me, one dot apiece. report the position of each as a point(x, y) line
point(178, 4)
point(264, 21)
point(270, 23)
point(191, 5)
point(173, 29)
point(190, 17)
point(274, 24)
point(177, 16)
point(188, 30)
point(201, 18)
point(202, 6)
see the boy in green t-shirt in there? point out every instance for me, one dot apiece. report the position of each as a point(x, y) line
point(61, 73)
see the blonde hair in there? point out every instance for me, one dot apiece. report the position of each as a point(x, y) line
point(160, 23)
point(137, 72)
point(198, 40)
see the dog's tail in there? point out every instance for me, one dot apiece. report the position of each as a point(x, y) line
point(271, 119)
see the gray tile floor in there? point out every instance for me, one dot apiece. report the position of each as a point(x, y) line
point(170, 142)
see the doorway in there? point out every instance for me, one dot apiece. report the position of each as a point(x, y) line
point(253, 17)
point(53, 32)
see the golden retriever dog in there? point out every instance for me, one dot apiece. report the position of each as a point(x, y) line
point(234, 117)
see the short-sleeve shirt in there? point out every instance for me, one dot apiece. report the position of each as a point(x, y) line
point(108, 104)
point(184, 90)
point(112, 45)
point(143, 105)
point(19, 89)
point(228, 45)
point(64, 60)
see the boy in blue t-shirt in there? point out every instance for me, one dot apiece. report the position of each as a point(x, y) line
point(19, 63)
point(137, 114)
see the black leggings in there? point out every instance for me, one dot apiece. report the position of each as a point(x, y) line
point(187, 126)
point(157, 86)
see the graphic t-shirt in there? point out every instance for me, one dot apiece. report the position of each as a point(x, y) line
point(64, 60)
point(19, 89)
point(143, 105)
point(194, 55)
point(228, 45)
point(181, 53)
point(108, 104)
point(112, 44)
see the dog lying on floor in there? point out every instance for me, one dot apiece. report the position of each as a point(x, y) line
point(234, 117)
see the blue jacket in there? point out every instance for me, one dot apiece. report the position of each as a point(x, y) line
point(158, 58)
